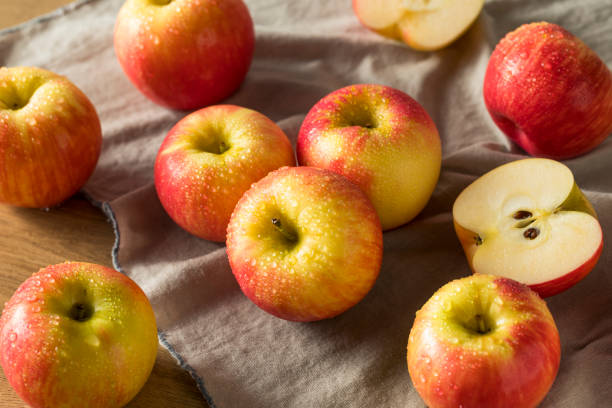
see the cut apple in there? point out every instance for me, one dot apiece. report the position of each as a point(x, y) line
point(528, 220)
point(422, 24)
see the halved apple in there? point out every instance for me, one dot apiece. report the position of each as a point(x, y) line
point(528, 220)
point(425, 25)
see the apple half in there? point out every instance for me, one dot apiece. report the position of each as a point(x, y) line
point(424, 25)
point(528, 221)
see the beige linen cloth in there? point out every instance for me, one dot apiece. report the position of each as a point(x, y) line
point(239, 355)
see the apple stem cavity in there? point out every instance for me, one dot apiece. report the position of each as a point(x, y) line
point(289, 235)
point(81, 312)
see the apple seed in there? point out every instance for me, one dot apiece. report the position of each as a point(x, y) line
point(531, 233)
point(521, 215)
point(478, 240)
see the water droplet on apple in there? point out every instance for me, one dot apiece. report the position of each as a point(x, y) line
point(13, 337)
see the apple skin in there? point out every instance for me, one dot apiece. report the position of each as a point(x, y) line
point(198, 187)
point(513, 365)
point(324, 256)
point(53, 360)
point(381, 139)
point(50, 137)
point(549, 92)
point(185, 54)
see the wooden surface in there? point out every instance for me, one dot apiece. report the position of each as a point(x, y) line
point(77, 231)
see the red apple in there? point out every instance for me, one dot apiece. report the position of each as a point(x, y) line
point(77, 335)
point(304, 244)
point(209, 159)
point(549, 92)
point(483, 341)
point(527, 220)
point(382, 140)
point(185, 54)
point(50, 137)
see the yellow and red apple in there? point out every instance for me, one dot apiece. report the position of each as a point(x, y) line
point(50, 137)
point(527, 220)
point(185, 54)
point(77, 335)
point(209, 159)
point(425, 25)
point(304, 244)
point(549, 92)
point(381, 139)
point(483, 341)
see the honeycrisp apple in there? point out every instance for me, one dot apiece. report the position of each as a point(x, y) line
point(528, 220)
point(185, 54)
point(549, 92)
point(209, 159)
point(77, 335)
point(425, 25)
point(483, 341)
point(304, 244)
point(50, 137)
point(382, 140)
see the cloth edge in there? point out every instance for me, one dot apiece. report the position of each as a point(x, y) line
point(46, 17)
point(106, 208)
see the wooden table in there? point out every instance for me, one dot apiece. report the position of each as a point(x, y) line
point(32, 239)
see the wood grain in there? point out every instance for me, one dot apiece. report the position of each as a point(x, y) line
point(32, 239)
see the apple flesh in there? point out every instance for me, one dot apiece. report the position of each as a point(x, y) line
point(185, 54)
point(304, 244)
point(528, 220)
point(50, 137)
point(549, 92)
point(483, 341)
point(382, 140)
point(209, 159)
point(425, 25)
point(77, 335)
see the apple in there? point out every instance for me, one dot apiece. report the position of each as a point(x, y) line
point(209, 159)
point(425, 25)
point(304, 244)
point(185, 54)
point(77, 335)
point(382, 140)
point(483, 341)
point(527, 220)
point(549, 92)
point(50, 137)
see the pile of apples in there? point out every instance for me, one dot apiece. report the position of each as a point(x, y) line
point(305, 242)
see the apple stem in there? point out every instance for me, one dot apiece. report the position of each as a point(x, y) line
point(482, 327)
point(287, 234)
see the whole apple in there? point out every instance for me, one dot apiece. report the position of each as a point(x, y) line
point(50, 137)
point(382, 140)
point(549, 92)
point(425, 25)
point(185, 54)
point(527, 220)
point(304, 244)
point(209, 159)
point(483, 341)
point(77, 335)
